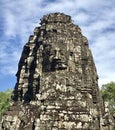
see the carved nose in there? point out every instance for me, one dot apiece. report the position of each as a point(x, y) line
point(57, 54)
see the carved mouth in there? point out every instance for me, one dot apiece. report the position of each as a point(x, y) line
point(57, 64)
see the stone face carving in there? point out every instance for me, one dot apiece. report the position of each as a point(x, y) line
point(57, 82)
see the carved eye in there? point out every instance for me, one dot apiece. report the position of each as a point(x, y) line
point(52, 52)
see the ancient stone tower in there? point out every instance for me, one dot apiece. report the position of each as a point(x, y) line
point(57, 82)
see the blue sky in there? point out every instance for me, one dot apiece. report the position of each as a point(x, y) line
point(96, 18)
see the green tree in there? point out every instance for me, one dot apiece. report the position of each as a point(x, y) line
point(108, 94)
point(5, 100)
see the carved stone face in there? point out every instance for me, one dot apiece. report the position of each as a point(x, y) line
point(53, 58)
point(58, 60)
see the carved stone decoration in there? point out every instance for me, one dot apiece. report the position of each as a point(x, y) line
point(57, 82)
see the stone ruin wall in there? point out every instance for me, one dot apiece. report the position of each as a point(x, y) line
point(57, 82)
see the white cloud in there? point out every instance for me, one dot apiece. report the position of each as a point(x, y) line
point(96, 19)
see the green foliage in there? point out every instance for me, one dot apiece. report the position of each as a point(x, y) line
point(4, 100)
point(108, 94)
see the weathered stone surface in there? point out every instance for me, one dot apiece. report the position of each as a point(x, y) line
point(57, 82)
